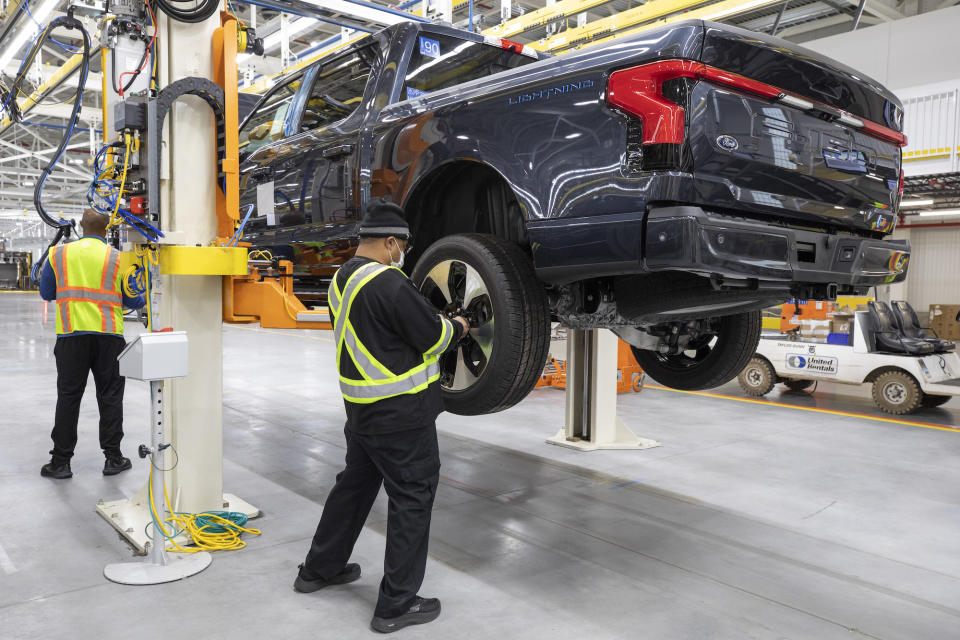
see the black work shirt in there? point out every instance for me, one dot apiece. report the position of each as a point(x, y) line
point(397, 325)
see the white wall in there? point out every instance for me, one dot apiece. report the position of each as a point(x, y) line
point(905, 53)
point(914, 57)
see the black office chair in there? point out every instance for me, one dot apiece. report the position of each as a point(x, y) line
point(909, 325)
point(888, 337)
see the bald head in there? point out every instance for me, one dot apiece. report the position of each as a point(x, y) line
point(94, 224)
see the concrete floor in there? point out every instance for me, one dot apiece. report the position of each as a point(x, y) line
point(749, 522)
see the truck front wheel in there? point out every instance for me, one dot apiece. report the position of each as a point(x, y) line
point(492, 282)
point(716, 357)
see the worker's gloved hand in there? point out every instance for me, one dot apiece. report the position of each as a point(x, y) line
point(465, 324)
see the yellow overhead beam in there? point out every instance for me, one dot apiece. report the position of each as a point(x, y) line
point(718, 11)
point(28, 103)
point(598, 28)
point(542, 17)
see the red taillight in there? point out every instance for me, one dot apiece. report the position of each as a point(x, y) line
point(638, 91)
point(900, 186)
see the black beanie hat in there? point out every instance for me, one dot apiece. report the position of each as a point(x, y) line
point(384, 219)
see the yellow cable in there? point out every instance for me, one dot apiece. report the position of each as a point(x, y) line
point(123, 180)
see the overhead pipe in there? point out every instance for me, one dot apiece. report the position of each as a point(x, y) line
point(283, 9)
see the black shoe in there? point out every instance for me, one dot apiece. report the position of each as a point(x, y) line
point(56, 470)
point(308, 582)
point(422, 611)
point(113, 466)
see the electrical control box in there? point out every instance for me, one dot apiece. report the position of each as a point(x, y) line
point(130, 114)
point(159, 355)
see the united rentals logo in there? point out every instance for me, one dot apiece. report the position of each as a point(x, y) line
point(817, 364)
point(546, 94)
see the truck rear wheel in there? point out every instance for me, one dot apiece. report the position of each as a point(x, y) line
point(757, 378)
point(717, 357)
point(896, 392)
point(492, 281)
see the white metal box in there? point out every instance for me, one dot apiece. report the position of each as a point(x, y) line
point(155, 356)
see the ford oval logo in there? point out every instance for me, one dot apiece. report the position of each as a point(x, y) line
point(728, 142)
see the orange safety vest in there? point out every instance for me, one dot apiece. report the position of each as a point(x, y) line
point(89, 294)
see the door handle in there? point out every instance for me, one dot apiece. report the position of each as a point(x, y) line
point(338, 151)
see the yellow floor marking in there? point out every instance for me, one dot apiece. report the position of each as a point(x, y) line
point(849, 414)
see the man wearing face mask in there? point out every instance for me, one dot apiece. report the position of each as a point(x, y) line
point(388, 339)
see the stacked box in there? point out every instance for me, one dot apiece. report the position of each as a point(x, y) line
point(815, 330)
point(943, 320)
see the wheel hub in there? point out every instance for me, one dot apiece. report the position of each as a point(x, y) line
point(894, 392)
point(456, 288)
point(754, 376)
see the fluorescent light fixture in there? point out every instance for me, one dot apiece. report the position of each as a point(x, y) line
point(942, 212)
point(27, 32)
point(916, 203)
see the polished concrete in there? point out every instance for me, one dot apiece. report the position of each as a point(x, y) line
point(749, 522)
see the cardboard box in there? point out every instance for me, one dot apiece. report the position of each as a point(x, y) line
point(943, 320)
point(815, 329)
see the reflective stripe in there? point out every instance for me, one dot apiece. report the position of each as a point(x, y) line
point(446, 334)
point(63, 307)
point(57, 258)
point(366, 392)
point(110, 269)
point(353, 284)
point(90, 295)
point(333, 294)
point(368, 366)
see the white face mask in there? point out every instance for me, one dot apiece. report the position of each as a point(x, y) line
point(397, 263)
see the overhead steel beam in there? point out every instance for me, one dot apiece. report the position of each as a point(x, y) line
point(813, 25)
point(45, 157)
point(612, 24)
point(717, 11)
point(65, 71)
point(543, 17)
point(878, 8)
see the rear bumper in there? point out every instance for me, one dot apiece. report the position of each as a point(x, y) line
point(691, 239)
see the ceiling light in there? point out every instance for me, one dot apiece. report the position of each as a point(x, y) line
point(27, 31)
point(916, 203)
point(941, 212)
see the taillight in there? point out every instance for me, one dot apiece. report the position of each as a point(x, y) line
point(900, 186)
point(639, 92)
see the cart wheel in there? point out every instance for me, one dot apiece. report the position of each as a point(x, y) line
point(757, 378)
point(638, 381)
point(798, 385)
point(930, 400)
point(896, 392)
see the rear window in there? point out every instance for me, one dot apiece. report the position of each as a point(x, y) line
point(440, 61)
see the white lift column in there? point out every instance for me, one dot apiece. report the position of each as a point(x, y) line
point(591, 415)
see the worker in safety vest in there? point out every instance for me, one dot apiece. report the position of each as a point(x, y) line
point(84, 278)
point(388, 340)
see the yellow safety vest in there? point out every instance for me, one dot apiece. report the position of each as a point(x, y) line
point(378, 382)
point(89, 294)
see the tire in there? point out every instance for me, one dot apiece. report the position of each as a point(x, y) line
point(714, 363)
point(930, 401)
point(896, 392)
point(757, 378)
point(798, 385)
point(500, 361)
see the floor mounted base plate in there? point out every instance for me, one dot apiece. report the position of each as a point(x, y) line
point(177, 567)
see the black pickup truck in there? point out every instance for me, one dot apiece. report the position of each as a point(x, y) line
point(666, 186)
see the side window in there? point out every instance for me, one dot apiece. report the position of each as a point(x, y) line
point(338, 88)
point(439, 61)
point(265, 124)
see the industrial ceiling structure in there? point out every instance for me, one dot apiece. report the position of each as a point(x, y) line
point(296, 32)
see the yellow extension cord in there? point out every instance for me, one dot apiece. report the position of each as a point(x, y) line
point(193, 525)
point(123, 180)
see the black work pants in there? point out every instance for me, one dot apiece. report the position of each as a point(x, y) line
point(76, 357)
point(408, 465)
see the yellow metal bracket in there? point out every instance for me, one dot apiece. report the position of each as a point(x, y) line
point(202, 261)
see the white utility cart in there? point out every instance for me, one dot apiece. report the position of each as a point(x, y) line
point(901, 383)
